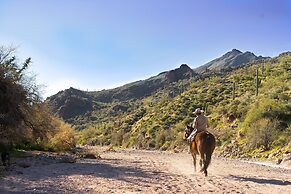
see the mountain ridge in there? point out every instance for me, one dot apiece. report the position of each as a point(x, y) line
point(73, 102)
point(232, 58)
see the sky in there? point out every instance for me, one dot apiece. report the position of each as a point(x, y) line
point(102, 44)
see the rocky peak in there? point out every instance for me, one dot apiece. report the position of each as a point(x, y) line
point(184, 71)
point(235, 51)
point(70, 102)
point(232, 58)
point(184, 66)
point(232, 53)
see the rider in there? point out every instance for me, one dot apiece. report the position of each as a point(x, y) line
point(200, 123)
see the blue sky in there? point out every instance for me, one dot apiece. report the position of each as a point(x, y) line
point(101, 44)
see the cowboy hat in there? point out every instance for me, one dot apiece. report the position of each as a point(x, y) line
point(198, 111)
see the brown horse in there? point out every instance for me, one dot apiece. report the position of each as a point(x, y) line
point(204, 145)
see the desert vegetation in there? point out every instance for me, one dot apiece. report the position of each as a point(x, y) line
point(26, 121)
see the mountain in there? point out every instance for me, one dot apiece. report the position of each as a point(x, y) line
point(232, 58)
point(143, 88)
point(72, 102)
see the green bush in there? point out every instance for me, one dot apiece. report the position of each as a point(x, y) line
point(87, 134)
point(262, 133)
point(264, 108)
point(63, 139)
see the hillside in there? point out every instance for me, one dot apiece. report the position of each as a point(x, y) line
point(245, 124)
point(72, 102)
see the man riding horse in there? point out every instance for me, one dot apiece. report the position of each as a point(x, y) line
point(200, 123)
point(201, 142)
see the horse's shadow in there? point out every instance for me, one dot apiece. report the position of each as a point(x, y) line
point(261, 180)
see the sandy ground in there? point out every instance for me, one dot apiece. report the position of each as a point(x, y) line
point(137, 171)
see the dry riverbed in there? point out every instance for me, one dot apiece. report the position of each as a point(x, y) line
point(139, 171)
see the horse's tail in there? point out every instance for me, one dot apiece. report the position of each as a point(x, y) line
point(209, 148)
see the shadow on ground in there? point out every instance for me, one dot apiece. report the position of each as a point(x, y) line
point(24, 178)
point(261, 181)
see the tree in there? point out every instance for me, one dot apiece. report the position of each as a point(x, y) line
point(15, 97)
point(19, 96)
point(23, 114)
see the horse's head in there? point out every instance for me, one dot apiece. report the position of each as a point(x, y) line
point(188, 131)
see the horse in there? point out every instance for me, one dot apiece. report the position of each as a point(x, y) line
point(203, 144)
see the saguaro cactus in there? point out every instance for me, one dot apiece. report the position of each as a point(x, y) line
point(233, 90)
point(258, 81)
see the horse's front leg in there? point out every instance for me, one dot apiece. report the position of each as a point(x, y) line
point(194, 161)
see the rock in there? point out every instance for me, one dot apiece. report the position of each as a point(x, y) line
point(91, 156)
point(111, 149)
point(233, 142)
point(164, 148)
point(231, 118)
point(279, 160)
point(19, 172)
point(66, 159)
point(286, 158)
point(271, 155)
point(24, 164)
point(176, 151)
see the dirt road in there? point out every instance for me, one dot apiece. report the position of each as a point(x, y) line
point(136, 171)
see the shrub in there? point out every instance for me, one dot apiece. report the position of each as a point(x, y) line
point(262, 133)
point(117, 137)
point(264, 108)
point(160, 139)
point(64, 138)
point(87, 134)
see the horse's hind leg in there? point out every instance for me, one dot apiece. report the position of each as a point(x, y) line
point(205, 165)
point(200, 163)
point(194, 161)
point(205, 161)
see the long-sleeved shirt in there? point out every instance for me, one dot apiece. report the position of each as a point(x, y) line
point(200, 123)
